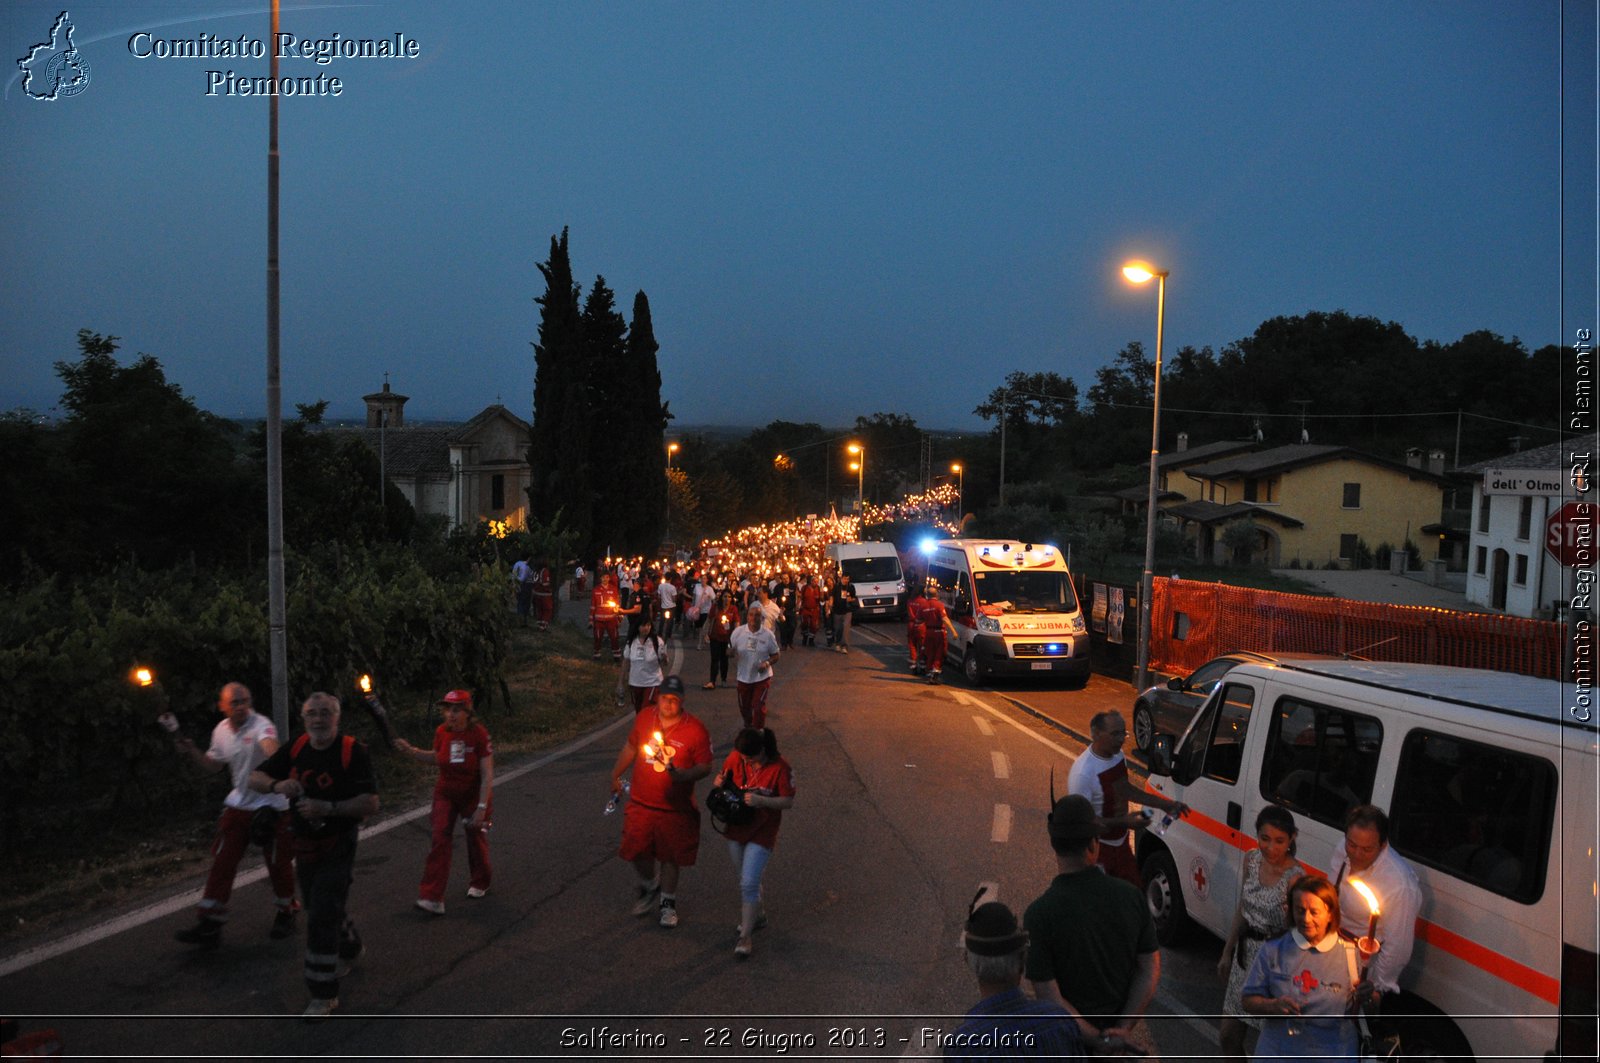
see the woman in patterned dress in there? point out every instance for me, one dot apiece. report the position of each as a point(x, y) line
point(1269, 870)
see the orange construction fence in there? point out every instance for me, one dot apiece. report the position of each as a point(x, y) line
point(1191, 622)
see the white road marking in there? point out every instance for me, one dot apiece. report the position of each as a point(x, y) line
point(1000, 831)
point(160, 909)
point(983, 726)
point(1002, 766)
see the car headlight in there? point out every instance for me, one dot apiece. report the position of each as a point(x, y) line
point(988, 625)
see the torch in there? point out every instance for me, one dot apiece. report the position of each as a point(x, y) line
point(1368, 942)
point(380, 715)
point(658, 755)
point(144, 677)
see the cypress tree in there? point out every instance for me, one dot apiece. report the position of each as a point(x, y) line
point(605, 346)
point(558, 380)
point(643, 417)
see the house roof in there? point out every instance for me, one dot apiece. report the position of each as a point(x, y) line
point(1204, 452)
point(424, 450)
point(1552, 456)
point(1298, 455)
point(1142, 494)
point(1203, 512)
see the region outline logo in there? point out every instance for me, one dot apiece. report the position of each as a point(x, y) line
point(65, 73)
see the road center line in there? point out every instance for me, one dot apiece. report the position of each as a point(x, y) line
point(1002, 766)
point(983, 726)
point(1000, 830)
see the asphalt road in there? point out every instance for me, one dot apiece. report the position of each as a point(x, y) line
point(909, 797)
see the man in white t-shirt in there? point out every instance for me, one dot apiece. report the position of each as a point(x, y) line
point(755, 647)
point(239, 743)
point(667, 594)
point(1101, 774)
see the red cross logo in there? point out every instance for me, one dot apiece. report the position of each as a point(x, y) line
point(1306, 981)
point(1200, 878)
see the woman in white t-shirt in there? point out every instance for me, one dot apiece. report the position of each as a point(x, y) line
point(648, 662)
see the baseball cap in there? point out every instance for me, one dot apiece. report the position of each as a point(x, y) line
point(671, 685)
point(457, 697)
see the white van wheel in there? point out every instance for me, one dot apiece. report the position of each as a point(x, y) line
point(971, 667)
point(1163, 892)
point(1144, 728)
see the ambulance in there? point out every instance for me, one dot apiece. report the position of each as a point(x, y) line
point(1489, 781)
point(873, 569)
point(1014, 609)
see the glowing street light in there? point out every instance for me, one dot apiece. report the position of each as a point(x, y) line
point(859, 467)
point(672, 448)
point(961, 486)
point(1143, 273)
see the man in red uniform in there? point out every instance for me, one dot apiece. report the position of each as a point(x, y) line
point(604, 606)
point(935, 621)
point(464, 754)
point(669, 751)
point(544, 593)
point(914, 631)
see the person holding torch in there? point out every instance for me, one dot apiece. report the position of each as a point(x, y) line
point(1393, 885)
point(668, 751)
point(465, 755)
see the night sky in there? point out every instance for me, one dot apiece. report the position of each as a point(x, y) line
point(834, 208)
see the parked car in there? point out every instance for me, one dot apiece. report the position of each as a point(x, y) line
point(1170, 706)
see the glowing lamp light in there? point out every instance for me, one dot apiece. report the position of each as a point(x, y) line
point(143, 676)
point(1139, 272)
point(365, 683)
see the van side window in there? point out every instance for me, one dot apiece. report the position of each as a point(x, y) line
point(1215, 745)
point(1475, 811)
point(1320, 761)
point(952, 589)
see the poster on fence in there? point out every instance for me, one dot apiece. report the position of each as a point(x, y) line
point(1097, 611)
point(1114, 619)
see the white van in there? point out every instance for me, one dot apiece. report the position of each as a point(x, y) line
point(1014, 608)
point(875, 576)
point(1489, 784)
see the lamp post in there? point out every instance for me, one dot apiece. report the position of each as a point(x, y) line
point(859, 467)
point(1141, 273)
point(961, 486)
point(672, 448)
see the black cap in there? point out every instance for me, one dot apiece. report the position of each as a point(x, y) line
point(1073, 819)
point(992, 930)
point(671, 685)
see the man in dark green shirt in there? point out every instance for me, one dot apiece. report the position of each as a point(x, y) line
point(1094, 944)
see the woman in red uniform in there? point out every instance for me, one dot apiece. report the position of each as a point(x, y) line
point(810, 610)
point(465, 755)
point(755, 767)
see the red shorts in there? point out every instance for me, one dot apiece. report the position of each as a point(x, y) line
point(651, 834)
point(1119, 863)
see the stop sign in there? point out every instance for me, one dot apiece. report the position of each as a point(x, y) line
point(1569, 534)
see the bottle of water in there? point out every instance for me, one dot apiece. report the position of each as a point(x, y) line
point(616, 798)
point(1158, 827)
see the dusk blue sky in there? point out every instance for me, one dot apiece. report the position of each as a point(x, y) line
point(834, 208)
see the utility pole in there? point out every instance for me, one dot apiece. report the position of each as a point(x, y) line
point(277, 608)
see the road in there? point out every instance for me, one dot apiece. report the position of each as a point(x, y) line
point(909, 797)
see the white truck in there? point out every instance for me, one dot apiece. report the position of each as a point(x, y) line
point(875, 576)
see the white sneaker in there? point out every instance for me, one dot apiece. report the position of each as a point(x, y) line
point(474, 892)
point(431, 907)
point(669, 914)
point(319, 1008)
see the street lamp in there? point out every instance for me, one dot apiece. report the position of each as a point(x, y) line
point(859, 467)
point(961, 488)
point(1141, 273)
point(672, 448)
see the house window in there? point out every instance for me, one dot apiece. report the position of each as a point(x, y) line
point(1481, 564)
point(1483, 514)
point(1347, 547)
point(1521, 579)
point(497, 491)
point(1352, 496)
point(1250, 490)
point(1525, 518)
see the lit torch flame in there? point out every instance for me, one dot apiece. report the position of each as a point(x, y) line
point(143, 676)
point(365, 683)
point(1372, 906)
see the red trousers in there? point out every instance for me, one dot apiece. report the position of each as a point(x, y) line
point(1118, 862)
point(606, 629)
point(933, 643)
point(753, 703)
point(436, 872)
point(227, 849)
point(914, 639)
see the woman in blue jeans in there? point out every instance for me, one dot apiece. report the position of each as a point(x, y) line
point(767, 783)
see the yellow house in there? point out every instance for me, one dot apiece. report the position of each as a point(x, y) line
point(1309, 503)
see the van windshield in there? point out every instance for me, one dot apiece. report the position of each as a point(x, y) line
point(1026, 592)
point(871, 569)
